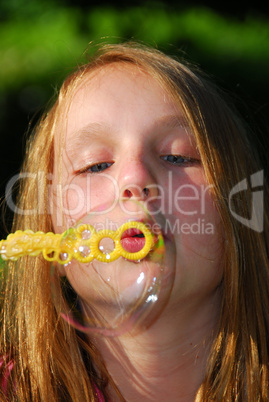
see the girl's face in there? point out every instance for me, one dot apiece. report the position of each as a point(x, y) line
point(126, 139)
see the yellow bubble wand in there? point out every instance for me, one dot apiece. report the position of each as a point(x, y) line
point(75, 243)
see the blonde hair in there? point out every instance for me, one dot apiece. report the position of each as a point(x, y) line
point(51, 360)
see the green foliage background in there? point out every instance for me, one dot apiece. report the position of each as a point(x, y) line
point(41, 40)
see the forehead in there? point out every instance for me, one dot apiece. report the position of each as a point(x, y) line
point(123, 74)
point(116, 92)
point(118, 83)
point(115, 98)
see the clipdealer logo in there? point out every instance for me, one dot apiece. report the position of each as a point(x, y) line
point(255, 222)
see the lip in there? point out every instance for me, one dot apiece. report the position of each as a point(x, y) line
point(130, 233)
point(131, 243)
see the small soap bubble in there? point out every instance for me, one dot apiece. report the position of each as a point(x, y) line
point(86, 234)
point(63, 256)
point(84, 250)
point(112, 294)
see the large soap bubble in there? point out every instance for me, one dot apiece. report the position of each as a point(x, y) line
point(114, 274)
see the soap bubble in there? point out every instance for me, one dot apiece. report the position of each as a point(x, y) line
point(120, 278)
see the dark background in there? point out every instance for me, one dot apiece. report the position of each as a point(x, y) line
point(42, 40)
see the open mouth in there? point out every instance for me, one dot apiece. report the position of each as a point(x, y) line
point(133, 240)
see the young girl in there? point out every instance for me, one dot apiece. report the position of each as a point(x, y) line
point(135, 124)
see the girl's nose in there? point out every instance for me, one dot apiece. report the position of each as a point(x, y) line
point(137, 192)
point(136, 181)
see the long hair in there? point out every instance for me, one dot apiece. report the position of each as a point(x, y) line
point(52, 360)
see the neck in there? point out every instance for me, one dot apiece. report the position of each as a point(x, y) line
point(166, 361)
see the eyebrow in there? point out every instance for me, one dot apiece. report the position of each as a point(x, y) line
point(86, 135)
point(172, 121)
point(92, 131)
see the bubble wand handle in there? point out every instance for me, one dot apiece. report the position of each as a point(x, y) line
point(74, 243)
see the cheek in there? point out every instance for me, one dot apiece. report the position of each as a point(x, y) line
point(195, 229)
point(84, 194)
point(188, 199)
point(193, 220)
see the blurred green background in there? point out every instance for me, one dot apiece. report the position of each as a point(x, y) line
point(42, 40)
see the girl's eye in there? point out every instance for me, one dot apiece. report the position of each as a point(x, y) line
point(178, 159)
point(97, 168)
